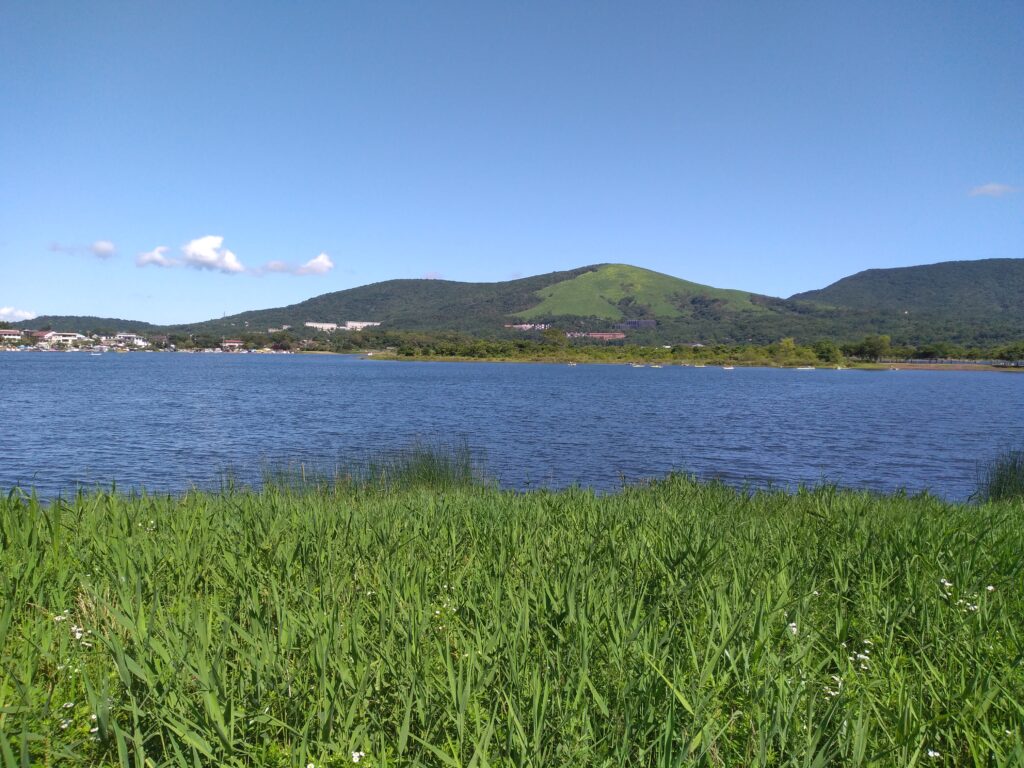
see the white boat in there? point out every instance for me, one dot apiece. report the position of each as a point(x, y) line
point(728, 367)
point(805, 367)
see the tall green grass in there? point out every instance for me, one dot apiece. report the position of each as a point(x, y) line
point(1003, 479)
point(673, 624)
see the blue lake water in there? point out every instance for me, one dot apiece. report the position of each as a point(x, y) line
point(170, 421)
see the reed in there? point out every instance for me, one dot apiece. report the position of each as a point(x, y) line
point(1003, 479)
point(401, 624)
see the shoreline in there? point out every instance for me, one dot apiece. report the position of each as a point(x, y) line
point(962, 367)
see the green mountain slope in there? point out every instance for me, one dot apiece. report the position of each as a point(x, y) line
point(405, 304)
point(964, 288)
point(87, 324)
point(620, 291)
point(977, 303)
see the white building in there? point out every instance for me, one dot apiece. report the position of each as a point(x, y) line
point(131, 340)
point(62, 337)
point(10, 334)
point(358, 325)
point(323, 326)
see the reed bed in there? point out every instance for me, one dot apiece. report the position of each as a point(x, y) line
point(670, 624)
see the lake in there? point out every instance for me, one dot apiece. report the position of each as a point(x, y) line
point(169, 421)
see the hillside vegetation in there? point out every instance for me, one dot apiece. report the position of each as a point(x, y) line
point(988, 287)
point(411, 624)
point(619, 291)
point(974, 303)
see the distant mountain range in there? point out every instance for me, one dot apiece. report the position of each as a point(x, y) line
point(969, 302)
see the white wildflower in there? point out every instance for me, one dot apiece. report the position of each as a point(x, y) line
point(990, 588)
point(64, 724)
point(792, 628)
point(357, 756)
point(68, 704)
point(934, 753)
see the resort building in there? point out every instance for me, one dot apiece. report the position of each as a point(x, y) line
point(10, 334)
point(131, 340)
point(328, 327)
point(230, 345)
point(357, 325)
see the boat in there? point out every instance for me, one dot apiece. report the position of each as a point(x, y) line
point(572, 365)
point(637, 365)
point(728, 367)
point(656, 366)
point(96, 354)
point(805, 367)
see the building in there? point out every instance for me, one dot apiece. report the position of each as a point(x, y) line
point(230, 345)
point(358, 325)
point(62, 337)
point(598, 335)
point(10, 334)
point(327, 327)
point(637, 325)
point(528, 326)
point(131, 340)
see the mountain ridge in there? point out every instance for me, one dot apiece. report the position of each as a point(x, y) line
point(964, 302)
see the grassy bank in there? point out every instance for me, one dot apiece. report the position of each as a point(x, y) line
point(672, 624)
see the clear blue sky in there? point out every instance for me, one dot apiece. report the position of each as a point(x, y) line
point(772, 147)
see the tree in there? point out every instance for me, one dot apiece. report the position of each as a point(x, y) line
point(827, 351)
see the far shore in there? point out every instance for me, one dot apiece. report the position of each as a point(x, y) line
point(851, 366)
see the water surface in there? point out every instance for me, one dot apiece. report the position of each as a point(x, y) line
point(169, 421)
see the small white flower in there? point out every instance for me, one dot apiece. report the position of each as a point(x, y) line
point(868, 642)
point(93, 730)
point(990, 588)
point(933, 753)
point(792, 628)
point(357, 756)
point(64, 724)
point(68, 704)
point(310, 765)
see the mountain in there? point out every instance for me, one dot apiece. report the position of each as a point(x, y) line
point(968, 301)
point(87, 324)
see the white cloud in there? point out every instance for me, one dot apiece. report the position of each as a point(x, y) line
point(993, 189)
point(207, 253)
point(156, 257)
point(12, 315)
point(321, 265)
point(103, 249)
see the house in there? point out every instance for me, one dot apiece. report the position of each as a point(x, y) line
point(131, 340)
point(327, 327)
point(61, 337)
point(10, 334)
point(231, 345)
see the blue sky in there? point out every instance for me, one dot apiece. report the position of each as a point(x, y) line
point(277, 151)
